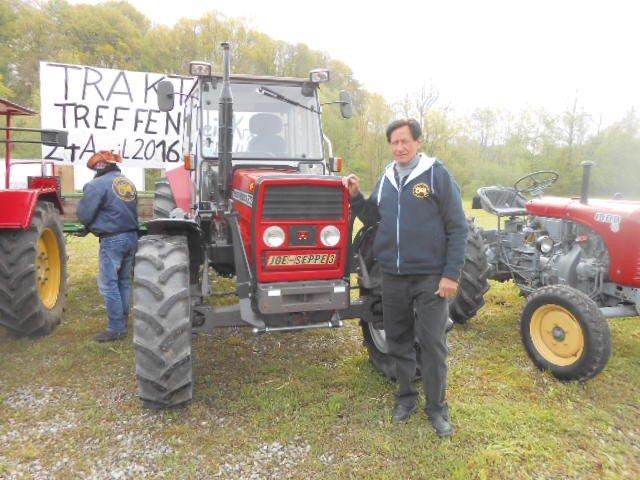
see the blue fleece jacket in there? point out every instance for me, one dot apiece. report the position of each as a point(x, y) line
point(423, 228)
point(109, 204)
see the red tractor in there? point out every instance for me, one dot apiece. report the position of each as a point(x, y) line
point(33, 259)
point(577, 260)
point(256, 199)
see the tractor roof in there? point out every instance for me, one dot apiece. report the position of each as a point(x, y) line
point(262, 78)
point(10, 108)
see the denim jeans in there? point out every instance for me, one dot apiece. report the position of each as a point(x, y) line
point(116, 268)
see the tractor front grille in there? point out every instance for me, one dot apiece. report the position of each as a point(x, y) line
point(304, 202)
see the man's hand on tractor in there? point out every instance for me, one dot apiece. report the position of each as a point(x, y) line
point(352, 182)
point(447, 288)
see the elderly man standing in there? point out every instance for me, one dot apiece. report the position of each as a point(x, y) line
point(420, 247)
point(109, 210)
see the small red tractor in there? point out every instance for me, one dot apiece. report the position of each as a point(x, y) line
point(256, 199)
point(33, 259)
point(577, 260)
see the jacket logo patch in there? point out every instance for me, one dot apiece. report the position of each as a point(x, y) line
point(124, 189)
point(421, 190)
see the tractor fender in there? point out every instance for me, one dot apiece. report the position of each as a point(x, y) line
point(188, 228)
point(19, 206)
point(182, 188)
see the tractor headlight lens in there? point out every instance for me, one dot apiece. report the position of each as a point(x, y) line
point(330, 236)
point(273, 236)
point(200, 69)
point(545, 245)
point(319, 75)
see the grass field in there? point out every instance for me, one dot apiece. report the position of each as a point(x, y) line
point(308, 405)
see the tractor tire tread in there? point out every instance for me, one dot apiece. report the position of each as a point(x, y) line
point(162, 322)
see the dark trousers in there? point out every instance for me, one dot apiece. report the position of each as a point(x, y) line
point(412, 311)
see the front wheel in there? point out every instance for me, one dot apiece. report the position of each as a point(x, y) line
point(564, 331)
point(162, 321)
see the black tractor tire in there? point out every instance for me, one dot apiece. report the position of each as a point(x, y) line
point(163, 200)
point(162, 322)
point(374, 341)
point(474, 279)
point(33, 274)
point(564, 331)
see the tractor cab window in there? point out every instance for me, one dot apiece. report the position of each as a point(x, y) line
point(265, 126)
point(191, 119)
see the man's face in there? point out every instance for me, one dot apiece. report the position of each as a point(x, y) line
point(403, 146)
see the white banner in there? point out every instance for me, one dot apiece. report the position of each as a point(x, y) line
point(106, 109)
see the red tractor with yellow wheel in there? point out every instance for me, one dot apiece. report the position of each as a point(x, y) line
point(577, 260)
point(33, 273)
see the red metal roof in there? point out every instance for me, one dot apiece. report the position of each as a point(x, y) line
point(10, 108)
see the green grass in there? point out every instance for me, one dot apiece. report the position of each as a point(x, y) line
point(315, 389)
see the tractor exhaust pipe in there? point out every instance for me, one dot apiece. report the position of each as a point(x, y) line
point(586, 175)
point(225, 130)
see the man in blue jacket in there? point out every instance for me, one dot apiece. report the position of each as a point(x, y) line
point(420, 247)
point(109, 210)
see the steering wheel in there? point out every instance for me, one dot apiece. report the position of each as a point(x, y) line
point(535, 183)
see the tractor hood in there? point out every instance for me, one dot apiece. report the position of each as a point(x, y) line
point(305, 208)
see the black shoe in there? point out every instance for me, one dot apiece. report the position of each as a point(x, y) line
point(109, 336)
point(401, 413)
point(442, 426)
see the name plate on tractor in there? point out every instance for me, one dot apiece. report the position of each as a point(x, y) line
point(279, 260)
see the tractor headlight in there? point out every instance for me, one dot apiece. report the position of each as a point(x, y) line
point(319, 75)
point(545, 245)
point(330, 236)
point(200, 69)
point(273, 236)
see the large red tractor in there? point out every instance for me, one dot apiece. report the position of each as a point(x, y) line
point(33, 259)
point(256, 199)
point(577, 260)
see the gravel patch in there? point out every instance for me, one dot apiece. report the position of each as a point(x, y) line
point(38, 398)
point(270, 461)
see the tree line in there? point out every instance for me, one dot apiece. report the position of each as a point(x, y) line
point(486, 147)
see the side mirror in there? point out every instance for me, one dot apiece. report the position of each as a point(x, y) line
point(165, 96)
point(346, 108)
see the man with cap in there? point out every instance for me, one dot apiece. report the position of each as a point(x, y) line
point(419, 246)
point(109, 210)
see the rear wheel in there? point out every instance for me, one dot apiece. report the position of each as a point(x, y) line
point(474, 277)
point(473, 285)
point(163, 200)
point(564, 331)
point(33, 274)
point(162, 321)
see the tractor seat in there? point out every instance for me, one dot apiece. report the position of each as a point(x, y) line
point(502, 201)
point(265, 129)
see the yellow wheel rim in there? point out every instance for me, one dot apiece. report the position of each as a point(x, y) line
point(557, 335)
point(48, 268)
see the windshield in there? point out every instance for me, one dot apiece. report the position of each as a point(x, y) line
point(264, 127)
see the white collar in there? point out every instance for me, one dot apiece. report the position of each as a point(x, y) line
point(424, 164)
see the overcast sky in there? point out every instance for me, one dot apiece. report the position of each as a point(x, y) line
point(489, 53)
